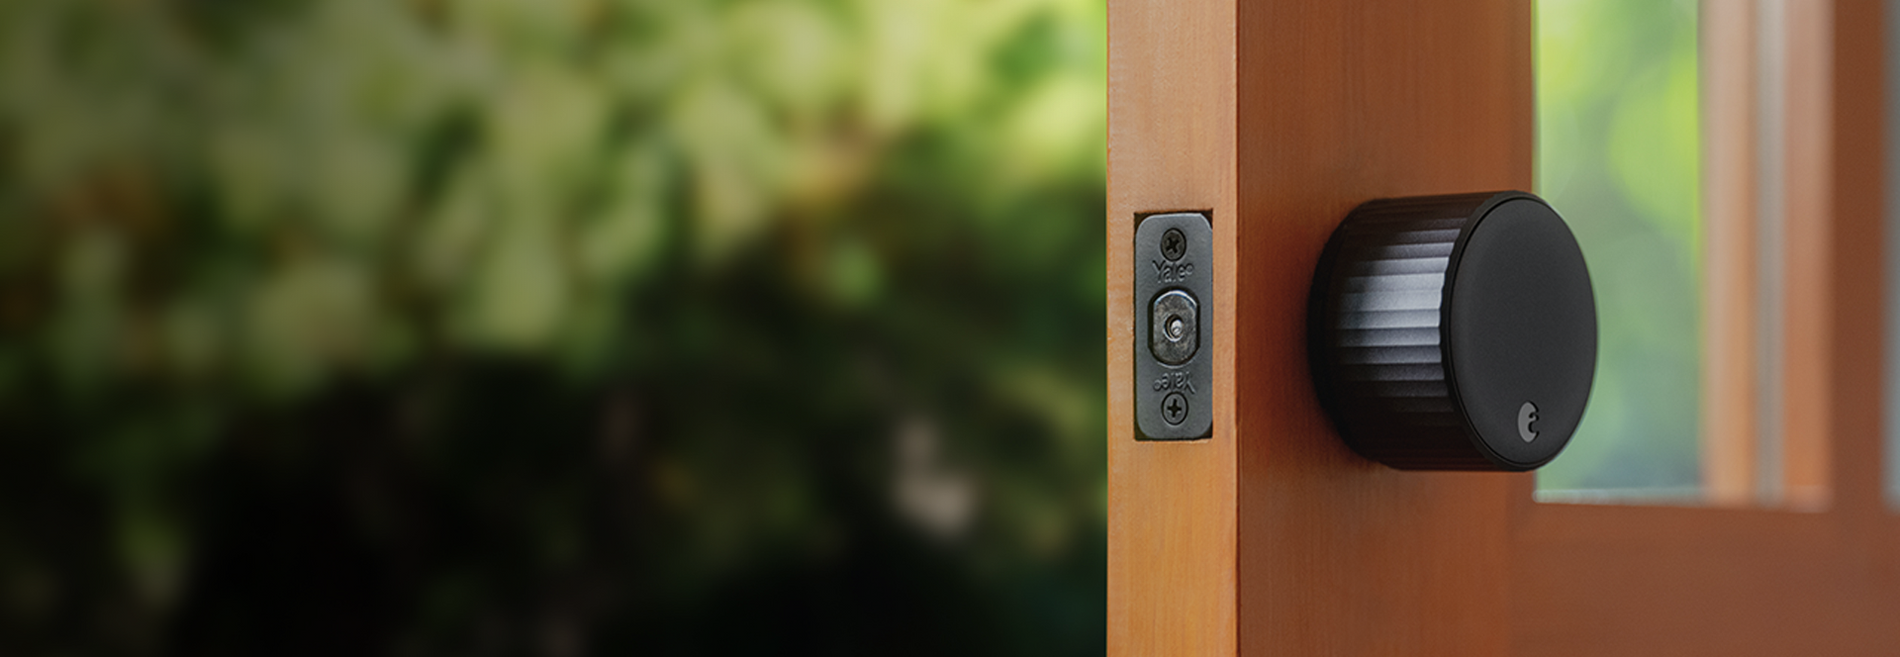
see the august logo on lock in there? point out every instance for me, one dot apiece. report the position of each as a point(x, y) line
point(1526, 414)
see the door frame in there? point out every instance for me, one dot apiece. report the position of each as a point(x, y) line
point(1271, 537)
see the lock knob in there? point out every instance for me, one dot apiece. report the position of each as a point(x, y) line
point(1454, 332)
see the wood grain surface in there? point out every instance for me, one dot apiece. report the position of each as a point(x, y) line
point(1340, 103)
point(1272, 538)
point(1171, 564)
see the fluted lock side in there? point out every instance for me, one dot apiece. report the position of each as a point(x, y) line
point(1378, 342)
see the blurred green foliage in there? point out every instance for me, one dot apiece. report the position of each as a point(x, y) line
point(551, 327)
point(1619, 153)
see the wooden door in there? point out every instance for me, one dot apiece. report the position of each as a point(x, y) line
point(1276, 117)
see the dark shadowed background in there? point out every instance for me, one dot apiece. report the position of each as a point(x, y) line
point(551, 327)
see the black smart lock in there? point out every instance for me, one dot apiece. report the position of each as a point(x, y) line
point(1454, 332)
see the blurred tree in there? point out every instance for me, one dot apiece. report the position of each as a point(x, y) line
point(525, 326)
point(1619, 152)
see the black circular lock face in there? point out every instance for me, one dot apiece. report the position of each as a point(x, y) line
point(1454, 332)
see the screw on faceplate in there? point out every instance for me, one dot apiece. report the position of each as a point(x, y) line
point(1174, 408)
point(1173, 244)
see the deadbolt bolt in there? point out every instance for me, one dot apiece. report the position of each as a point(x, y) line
point(1175, 324)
